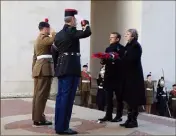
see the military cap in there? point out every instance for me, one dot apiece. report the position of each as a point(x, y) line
point(70, 12)
point(44, 24)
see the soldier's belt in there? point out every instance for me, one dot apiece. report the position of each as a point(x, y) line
point(44, 57)
point(85, 81)
point(148, 89)
point(164, 95)
point(72, 53)
point(101, 87)
point(174, 99)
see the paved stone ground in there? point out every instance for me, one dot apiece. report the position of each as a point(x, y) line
point(16, 120)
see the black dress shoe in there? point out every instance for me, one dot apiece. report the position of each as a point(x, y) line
point(105, 119)
point(124, 124)
point(67, 132)
point(116, 119)
point(42, 123)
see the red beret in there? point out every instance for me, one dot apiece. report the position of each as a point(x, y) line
point(72, 10)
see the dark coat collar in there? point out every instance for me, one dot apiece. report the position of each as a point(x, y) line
point(68, 26)
point(114, 44)
point(131, 43)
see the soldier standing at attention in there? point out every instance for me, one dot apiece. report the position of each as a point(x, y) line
point(149, 91)
point(162, 97)
point(42, 72)
point(101, 94)
point(85, 86)
point(68, 68)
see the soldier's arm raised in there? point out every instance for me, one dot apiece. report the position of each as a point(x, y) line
point(46, 40)
point(79, 34)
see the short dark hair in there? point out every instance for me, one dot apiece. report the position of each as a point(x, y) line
point(149, 75)
point(117, 35)
point(173, 85)
point(85, 66)
point(43, 25)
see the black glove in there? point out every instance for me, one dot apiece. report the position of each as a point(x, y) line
point(84, 22)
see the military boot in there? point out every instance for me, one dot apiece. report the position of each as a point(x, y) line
point(133, 121)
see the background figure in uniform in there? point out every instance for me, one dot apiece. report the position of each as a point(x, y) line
point(149, 91)
point(113, 78)
point(133, 87)
point(172, 101)
point(85, 86)
point(43, 72)
point(68, 68)
point(161, 97)
point(101, 94)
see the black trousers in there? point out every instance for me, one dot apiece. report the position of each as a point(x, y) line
point(132, 113)
point(119, 101)
point(161, 106)
point(101, 99)
point(133, 109)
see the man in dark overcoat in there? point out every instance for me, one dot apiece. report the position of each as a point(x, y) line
point(113, 78)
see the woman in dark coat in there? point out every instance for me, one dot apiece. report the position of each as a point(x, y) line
point(134, 89)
